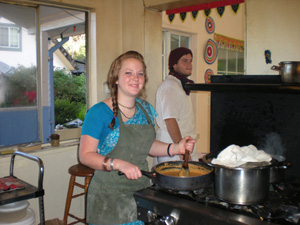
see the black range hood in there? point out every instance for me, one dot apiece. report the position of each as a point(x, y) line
point(258, 110)
point(249, 83)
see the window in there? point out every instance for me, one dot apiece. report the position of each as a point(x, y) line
point(10, 35)
point(230, 55)
point(27, 75)
point(230, 62)
point(172, 40)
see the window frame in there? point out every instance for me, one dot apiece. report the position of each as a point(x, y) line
point(43, 127)
point(227, 72)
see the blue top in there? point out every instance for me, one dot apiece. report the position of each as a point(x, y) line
point(98, 117)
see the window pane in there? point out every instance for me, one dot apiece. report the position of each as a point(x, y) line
point(184, 41)
point(221, 59)
point(174, 41)
point(14, 37)
point(67, 92)
point(18, 78)
point(4, 36)
point(231, 61)
point(241, 62)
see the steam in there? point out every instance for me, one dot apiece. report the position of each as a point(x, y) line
point(273, 144)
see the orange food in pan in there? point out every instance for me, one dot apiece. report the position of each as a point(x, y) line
point(194, 170)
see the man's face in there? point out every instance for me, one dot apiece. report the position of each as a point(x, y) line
point(184, 65)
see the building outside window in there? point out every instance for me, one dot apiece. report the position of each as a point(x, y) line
point(10, 35)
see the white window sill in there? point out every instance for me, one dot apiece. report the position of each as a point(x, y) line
point(44, 147)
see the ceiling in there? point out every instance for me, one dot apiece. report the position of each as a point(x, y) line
point(57, 22)
point(163, 5)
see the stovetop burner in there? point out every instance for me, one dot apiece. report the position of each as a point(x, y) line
point(282, 206)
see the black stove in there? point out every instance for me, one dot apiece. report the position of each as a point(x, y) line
point(157, 205)
point(244, 110)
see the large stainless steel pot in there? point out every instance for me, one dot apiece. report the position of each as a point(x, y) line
point(242, 185)
point(289, 71)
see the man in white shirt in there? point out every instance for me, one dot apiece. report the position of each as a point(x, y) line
point(173, 103)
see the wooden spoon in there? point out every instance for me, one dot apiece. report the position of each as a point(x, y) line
point(185, 172)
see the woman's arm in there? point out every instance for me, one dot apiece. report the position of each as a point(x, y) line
point(89, 156)
point(88, 153)
point(159, 148)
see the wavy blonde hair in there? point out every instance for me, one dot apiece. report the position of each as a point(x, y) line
point(113, 77)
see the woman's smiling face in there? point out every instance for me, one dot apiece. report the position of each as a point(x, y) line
point(131, 77)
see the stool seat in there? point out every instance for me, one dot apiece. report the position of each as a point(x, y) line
point(81, 171)
point(77, 170)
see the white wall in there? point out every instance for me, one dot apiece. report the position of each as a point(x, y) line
point(272, 25)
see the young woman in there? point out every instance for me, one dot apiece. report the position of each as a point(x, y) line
point(117, 135)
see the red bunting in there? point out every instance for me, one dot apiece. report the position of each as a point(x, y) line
point(204, 6)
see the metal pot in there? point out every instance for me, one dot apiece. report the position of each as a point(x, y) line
point(289, 71)
point(159, 176)
point(277, 170)
point(241, 185)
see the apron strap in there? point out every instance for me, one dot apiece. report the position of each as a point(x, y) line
point(145, 112)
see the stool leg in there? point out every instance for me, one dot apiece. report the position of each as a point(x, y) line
point(86, 185)
point(69, 197)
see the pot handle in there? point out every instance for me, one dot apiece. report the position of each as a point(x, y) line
point(145, 173)
point(284, 166)
point(275, 68)
point(148, 174)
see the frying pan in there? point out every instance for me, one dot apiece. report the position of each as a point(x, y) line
point(166, 175)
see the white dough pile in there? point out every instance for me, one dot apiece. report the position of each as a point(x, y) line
point(234, 156)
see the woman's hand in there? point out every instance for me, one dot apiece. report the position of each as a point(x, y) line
point(186, 143)
point(132, 172)
point(159, 148)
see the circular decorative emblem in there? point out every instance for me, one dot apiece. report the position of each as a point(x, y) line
point(211, 52)
point(210, 25)
point(207, 75)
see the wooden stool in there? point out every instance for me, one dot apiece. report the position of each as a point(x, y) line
point(80, 171)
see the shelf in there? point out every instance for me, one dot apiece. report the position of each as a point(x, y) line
point(28, 192)
point(241, 87)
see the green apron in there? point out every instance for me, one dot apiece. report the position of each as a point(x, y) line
point(110, 196)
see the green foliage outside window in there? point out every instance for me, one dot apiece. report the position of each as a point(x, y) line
point(69, 92)
point(70, 96)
